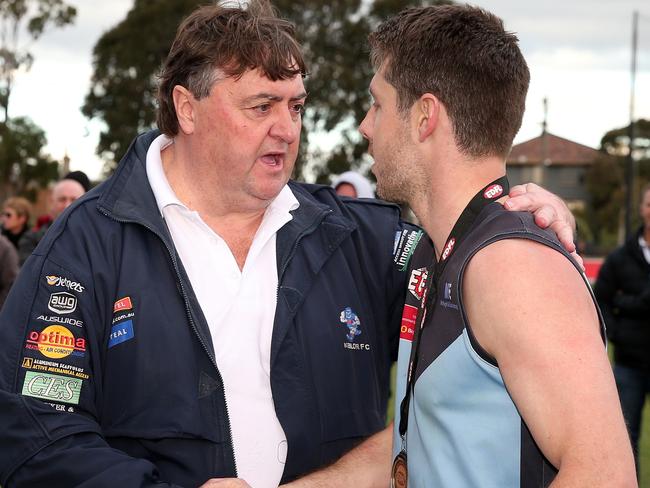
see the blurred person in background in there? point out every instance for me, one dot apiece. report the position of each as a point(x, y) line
point(8, 267)
point(15, 219)
point(63, 194)
point(623, 293)
point(354, 185)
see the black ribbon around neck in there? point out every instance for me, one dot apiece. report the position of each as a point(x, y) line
point(484, 197)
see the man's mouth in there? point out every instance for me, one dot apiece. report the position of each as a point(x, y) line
point(272, 159)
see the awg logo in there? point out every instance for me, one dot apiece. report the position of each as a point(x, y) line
point(62, 302)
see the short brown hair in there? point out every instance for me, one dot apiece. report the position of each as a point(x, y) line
point(216, 40)
point(20, 205)
point(463, 56)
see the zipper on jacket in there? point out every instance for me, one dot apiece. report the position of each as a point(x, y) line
point(189, 316)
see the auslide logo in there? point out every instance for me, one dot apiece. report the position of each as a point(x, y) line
point(493, 191)
point(448, 248)
point(417, 282)
point(62, 302)
point(54, 280)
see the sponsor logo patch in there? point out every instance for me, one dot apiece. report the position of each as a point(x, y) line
point(405, 243)
point(122, 304)
point(447, 300)
point(121, 332)
point(350, 319)
point(409, 316)
point(493, 191)
point(448, 248)
point(123, 316)
point(447, 291)
point(52, 387)
point(62, 302)
point(61, 320)
point(352, 322)
point(417, 282)
point(54, 367)
point(54, 280)
point(56, 342)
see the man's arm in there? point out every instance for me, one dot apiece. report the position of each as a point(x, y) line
point(367, 465)
point(529, 308)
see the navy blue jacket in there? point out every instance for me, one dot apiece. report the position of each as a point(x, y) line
point(107, 370)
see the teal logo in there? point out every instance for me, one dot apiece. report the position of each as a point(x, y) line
point(52, 387)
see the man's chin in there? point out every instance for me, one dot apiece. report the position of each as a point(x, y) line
point(392, 195)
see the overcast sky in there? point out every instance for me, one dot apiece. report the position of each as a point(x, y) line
point(578, 51)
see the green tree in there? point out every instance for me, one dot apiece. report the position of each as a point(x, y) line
point(605, 181)
point(333, 34)
point(19, 17)
point(126, 60)
point(23, 166)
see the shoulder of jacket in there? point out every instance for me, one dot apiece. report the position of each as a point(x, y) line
point(326, 194)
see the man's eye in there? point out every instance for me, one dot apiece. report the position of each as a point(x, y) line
point(264, 108)
point(298, 108)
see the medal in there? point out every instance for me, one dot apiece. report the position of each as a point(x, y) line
point(399, 473)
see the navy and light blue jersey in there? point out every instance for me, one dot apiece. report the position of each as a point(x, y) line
point(464, 429)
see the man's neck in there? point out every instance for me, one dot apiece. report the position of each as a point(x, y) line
point(452, 190)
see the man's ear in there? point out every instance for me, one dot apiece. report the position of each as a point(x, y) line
point(184, 106)
point(427, 111)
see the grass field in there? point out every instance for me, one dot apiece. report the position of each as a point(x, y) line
point(644, 449)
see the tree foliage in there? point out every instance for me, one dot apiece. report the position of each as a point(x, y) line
point(23, 166)
point(126, 60)
point(333, 33)
point(19, 17)
point(605, 181)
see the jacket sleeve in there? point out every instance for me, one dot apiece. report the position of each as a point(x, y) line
point(50, 383)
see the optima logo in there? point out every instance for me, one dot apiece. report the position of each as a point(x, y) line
point(55, 341)
point(54, 280)
point(62, 302)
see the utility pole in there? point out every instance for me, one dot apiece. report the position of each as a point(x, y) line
point(629, 162)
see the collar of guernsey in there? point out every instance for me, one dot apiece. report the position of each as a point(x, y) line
point(284, 203)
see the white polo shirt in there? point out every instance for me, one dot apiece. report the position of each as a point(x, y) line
point(239, 307)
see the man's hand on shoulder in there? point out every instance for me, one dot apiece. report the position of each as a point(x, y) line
point(549, 211)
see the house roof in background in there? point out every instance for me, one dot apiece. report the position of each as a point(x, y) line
point(552, 150)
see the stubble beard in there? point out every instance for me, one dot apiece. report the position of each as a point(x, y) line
point(395, 181)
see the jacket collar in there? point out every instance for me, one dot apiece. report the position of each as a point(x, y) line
point(128, 195)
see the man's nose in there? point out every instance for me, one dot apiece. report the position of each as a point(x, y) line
point(286, 127)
